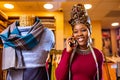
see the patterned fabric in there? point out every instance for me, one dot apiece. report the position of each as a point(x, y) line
point(79, 15)
point(13, 38)
point(14, 43)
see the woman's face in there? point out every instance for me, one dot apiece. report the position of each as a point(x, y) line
point(81, 34)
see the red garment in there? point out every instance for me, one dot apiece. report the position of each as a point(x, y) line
point(82, 68)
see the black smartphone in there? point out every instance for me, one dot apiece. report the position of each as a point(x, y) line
point(73, 42)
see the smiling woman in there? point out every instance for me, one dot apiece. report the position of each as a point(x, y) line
point(76, 59)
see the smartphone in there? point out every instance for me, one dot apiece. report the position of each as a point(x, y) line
point(73, 42)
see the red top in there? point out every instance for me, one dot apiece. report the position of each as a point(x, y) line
point(83, 67)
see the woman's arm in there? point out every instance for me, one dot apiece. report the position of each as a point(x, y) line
point(63, 67)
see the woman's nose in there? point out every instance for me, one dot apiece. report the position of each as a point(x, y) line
point(79, 33)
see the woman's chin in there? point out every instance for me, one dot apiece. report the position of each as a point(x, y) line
point(81, 44)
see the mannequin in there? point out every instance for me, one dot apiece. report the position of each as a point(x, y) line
point(26, 48)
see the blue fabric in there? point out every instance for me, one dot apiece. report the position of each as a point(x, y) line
point(12, 37)
point(39, 73)
point(29, 39)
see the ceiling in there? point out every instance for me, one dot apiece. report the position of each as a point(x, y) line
point(105, 11)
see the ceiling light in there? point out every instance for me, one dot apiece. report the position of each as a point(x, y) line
point(9, 6)
point(48, 6)
point(115, 24)
point(88, 6)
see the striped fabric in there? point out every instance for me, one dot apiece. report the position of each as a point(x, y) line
point(14, 43)
point(13, 38)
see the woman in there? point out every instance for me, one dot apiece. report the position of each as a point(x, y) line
point(79, 60)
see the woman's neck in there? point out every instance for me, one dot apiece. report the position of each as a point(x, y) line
point(83, 47)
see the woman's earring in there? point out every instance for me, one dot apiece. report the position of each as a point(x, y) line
point(89, 41)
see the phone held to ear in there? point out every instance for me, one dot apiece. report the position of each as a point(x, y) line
point(73, 42)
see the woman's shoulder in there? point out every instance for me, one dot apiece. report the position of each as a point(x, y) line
point(97, 50)
point(98, 53)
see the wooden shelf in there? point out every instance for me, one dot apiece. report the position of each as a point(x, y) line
point(3, 16)
point(3, 20)
point(2, 25)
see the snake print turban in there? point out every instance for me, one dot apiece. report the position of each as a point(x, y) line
point(79, 15)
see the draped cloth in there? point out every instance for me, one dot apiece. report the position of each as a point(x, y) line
point(13, 43)
point(38, 73)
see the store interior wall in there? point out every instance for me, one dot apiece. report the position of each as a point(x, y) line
point(63, 30)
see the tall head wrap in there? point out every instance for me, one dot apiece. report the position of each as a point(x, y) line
point(79, 15)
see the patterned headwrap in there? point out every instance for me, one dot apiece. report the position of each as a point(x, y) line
point(79, 15)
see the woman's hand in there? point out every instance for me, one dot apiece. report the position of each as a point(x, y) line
point(70, 44)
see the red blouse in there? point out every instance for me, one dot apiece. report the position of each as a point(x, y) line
point(83, 67)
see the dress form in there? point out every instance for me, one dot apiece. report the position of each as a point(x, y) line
point(26, 20)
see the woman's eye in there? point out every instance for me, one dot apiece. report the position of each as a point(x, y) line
point(75, 31)
point(84, 30)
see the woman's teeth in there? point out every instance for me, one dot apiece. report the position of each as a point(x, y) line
point(80, 39)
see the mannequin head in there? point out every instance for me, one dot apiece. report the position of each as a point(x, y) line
point(27, 20)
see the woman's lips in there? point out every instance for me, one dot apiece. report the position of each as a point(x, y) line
point(81, 39)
